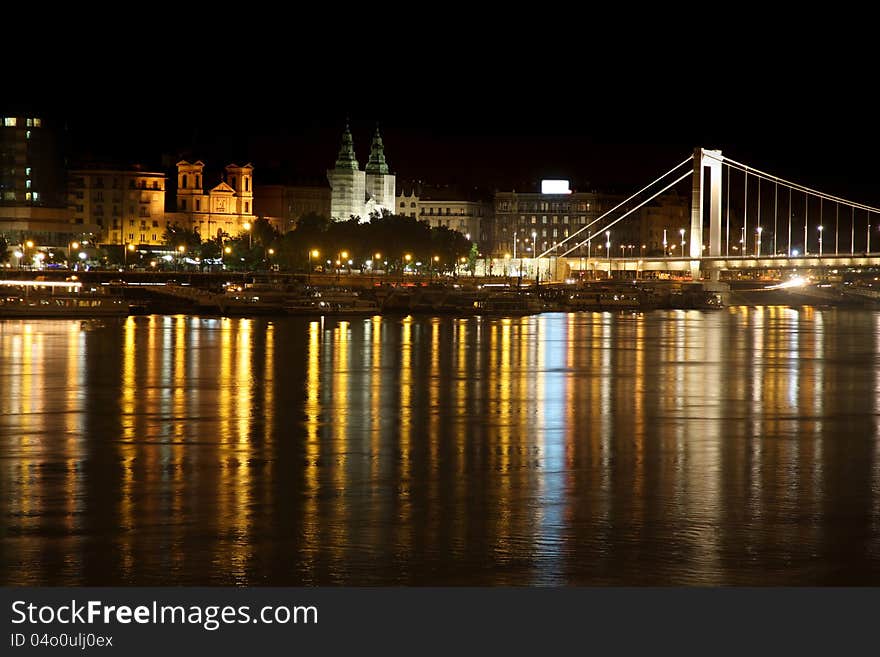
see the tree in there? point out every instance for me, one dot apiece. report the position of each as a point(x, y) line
point(4, 245)
point(176, 235)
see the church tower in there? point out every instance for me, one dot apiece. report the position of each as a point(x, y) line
point(241, 181)
point(380, 184)
point(347, 195)
point(189, 185)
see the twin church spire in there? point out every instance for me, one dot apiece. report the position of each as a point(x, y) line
point(347, 159)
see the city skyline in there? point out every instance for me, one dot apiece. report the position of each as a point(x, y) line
point(487, 145)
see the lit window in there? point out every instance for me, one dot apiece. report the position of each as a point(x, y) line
point(36, 196)
point(27, 196)
point(37, 123)
point(27, 171)
point(9, 122)
point(27, 135)
point(27, 184)
point(30, 123)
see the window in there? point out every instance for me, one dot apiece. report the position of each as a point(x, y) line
point(36, 196)
point(155, 225)
point(115, 209)
point(554, 232)
point(247, 184)
point(154, 237)
point(183, 204)
point(27, 184)
point(99, 196)
point(198, 181)
point(183, 184)
point(38, 123)
point(247, 207)
point(155, 184)
point(198, 205)
point(534, 219)
point(145, 211)
point(9, 122)
point(79, 208)
point(27, 171)
point(544, 219)
point(79, 195)
point(232, 181)
point(413, 204)
point(402, 204)
point(131, 222)
point(131, 237)
point(143, 238)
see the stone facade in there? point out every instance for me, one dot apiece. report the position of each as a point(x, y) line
point(359, 193)
point(224, 209)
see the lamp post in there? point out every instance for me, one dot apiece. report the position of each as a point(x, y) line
point(181, 250)
point(313, 253)
point(535, 256)
point(608, 250)
point(665, 244)
point(758, 244)
point(681, 232)
point(436, 261)
point(70, 247)
point(247, 226)
point(869, 237)
point(129, 247)
point(377, 257)
point(820, 241)
point(589, 244)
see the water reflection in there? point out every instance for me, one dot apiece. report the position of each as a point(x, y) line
point(737, 447)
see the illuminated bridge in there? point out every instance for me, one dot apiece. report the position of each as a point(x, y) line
point(742, 219)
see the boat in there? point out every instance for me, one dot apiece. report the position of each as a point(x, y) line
point(65, 299)
point(509, 304)
point(78, 306)
point(332, 302)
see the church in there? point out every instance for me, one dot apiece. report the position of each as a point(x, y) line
point(359, 193)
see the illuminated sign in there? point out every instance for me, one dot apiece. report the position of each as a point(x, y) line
point(555, 187)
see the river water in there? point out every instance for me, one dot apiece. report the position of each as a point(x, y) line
point(665, 448)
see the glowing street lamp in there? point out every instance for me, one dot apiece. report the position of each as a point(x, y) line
point(247, 226)
point(608, 250)
point(18, 254)
point(758, 244)
point(681, 232)
point(313, 253)
point(820, 241)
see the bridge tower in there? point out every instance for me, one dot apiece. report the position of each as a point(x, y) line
point(706, 163)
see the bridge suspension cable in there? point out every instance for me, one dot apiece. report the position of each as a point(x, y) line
point(556, 246)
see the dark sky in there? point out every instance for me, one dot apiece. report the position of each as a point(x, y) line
point(481, 127)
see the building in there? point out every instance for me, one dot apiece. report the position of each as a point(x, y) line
point(224, 209)
point(285, 205)
point(533, 220)
point(126, 206)
point(32, 205)
point(357, 193)
point(467, 211)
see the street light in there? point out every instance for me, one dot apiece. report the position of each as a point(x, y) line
point(313, 253)
point(665, 244)
point(681, 232)
point(535, 256)
point(608, 250)
point(247, 226)
point(758, 245)
point(18, 254)
point(181, 249)
point(128, 248)
point(820, 241)
point(70, 247)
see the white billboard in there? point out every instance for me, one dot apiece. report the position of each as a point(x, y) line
point(555, 187)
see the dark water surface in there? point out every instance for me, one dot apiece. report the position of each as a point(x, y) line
point(734, 447)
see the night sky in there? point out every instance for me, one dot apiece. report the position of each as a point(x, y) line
point(609, 131)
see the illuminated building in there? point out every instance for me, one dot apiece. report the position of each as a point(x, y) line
point(555, 216)
point(126, 205)
point(31, 202)
point(224, 209)
point(357, 193)
point(466, 211)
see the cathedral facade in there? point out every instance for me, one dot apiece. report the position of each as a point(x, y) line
point(357, 193)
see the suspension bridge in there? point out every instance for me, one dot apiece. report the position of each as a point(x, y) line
point(741, 219)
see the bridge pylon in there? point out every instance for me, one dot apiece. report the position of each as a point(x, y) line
point(707, 164)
